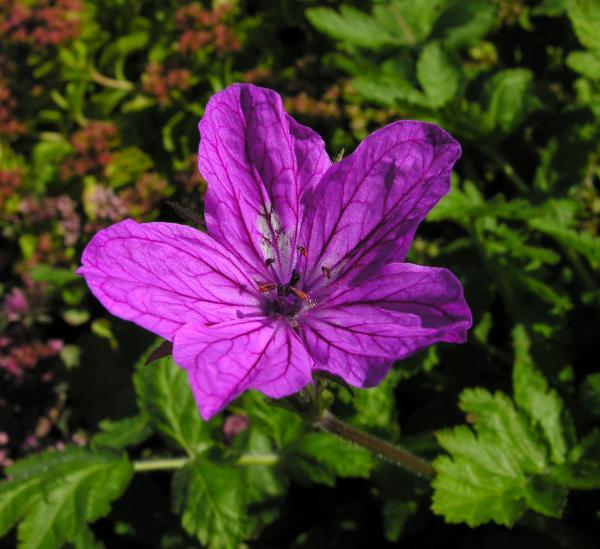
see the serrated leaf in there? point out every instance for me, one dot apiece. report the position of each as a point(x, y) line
point(211, 499)
point(56, 494)
point(509, 98)
point(496, 471)
point(437, 74)
point(532, 394)
point(125, 432)
point(316, 457)
point(164, 395)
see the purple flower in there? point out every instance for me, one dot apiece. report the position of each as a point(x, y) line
point(302, 267)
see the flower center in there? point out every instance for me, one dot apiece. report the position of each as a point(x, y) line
point(285, 300)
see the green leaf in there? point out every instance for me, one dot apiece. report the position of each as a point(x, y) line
point(351, 26)
point(128, 431)
point(316, 457)
point(586, 63)
point(465, 23)
point(589, 393)
point(55, 494)
point(583, 475)
point(53, 275)
point(509, 100)
point(164, 395)
point(532, 394)
point(585, 18)
point(437, 74)
point(395, 514)
point(282, 425)
point(211, 499)
point(495, 472)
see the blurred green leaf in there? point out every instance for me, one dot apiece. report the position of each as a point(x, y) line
point(351, 25)
point(590, 393)
point(509, 98)
point(53, 275)
point(586, 63)
point(585, 17)
point(437, 74)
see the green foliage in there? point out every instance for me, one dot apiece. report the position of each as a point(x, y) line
point(211, 499)
point(165, 397)
point(508, 99)
point(315, 457)
point(55, 494)
point(101, 126)
point(515, 456)
point(117, 435)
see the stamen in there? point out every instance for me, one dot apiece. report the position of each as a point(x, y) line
point(302, 250)
point(326, 271)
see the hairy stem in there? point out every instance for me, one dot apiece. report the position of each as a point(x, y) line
point(167, 464)
point(395, 454)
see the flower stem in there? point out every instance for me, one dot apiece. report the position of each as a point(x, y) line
point(167, 464)
point(164, 464)
point(395, 454)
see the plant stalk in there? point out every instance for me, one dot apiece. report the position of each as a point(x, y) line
point(168, 464)
point(399, 456)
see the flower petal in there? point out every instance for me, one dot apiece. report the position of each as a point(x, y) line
point(366, 208)
point(162, 276)
point(258, 162)
point(357, 332)
point(226, 359)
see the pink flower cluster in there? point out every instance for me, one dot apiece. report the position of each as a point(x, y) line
point(10, 181)
point(9, 125)
point(92, 146)
point(15, 359)
point(50, 208)
point(17, 355)
point(40, 23)
point(4, 459)
point(158, 83)
point(201, 28)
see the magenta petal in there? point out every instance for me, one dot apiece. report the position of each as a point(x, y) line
point(357, 332)
point(365, 210)
point(258, 163)
point(162, 276)
point(226, 359)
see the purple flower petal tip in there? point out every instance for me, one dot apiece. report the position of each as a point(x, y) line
point(302, 268)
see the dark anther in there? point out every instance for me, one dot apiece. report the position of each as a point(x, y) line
point(302, 250)
point(326, 272)
point(269, 261)
point(295, 278)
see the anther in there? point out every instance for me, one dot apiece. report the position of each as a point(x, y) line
point(326, 272)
